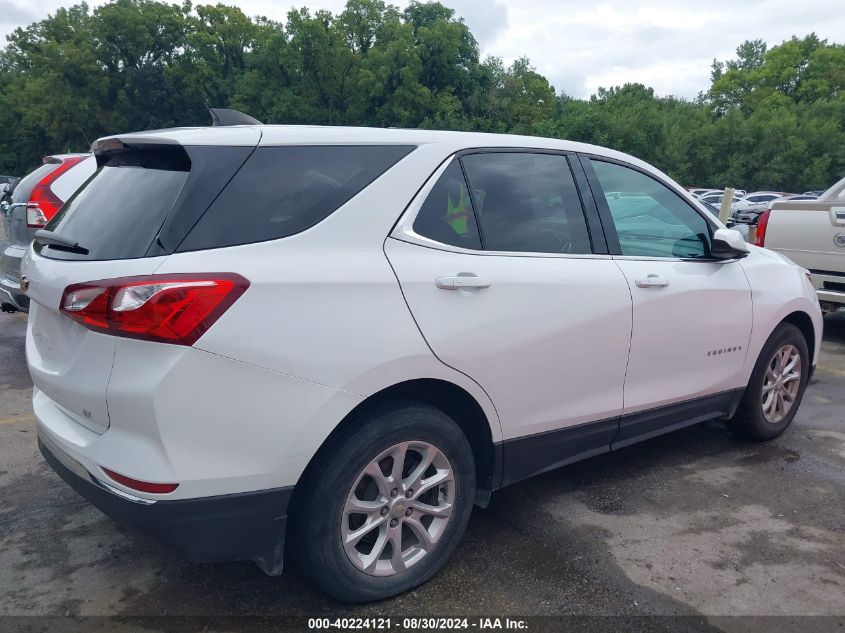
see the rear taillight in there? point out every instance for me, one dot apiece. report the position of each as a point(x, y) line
point(762, 223)
point(35, 218)
point(176, 308)
point(43, 203)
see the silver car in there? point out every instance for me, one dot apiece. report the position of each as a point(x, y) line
point(28, 207)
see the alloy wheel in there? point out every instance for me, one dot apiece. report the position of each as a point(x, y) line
point(781, 383)
point(398, 508)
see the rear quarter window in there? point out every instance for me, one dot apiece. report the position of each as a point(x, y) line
point(281, 191)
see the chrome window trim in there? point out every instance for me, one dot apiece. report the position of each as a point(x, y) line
point(687, 260)
point(404, 229)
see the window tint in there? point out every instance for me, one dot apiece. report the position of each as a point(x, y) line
point(446, 216)
point(281, 191)
point(651, 219)
point(527, 203)
point(119, 211)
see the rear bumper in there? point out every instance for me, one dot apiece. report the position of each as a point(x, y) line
point(246, 526)
point(10, 266)
point(11, 293)
point(830, 286)
point(831, 296)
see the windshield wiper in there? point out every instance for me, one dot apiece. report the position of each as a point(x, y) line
point(42, 236)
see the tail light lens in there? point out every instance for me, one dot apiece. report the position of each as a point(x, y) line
point(762, 223)
point(35, 217)
point(176, 309)
point(43, 203)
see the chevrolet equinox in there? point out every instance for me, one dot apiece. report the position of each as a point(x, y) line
point(339, 340)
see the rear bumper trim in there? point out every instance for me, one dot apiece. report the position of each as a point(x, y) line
point(245, 526)
point(12, 295)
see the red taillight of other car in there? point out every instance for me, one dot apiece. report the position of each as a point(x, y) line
point(177, 308)
point(43, 203)
point(762, 223)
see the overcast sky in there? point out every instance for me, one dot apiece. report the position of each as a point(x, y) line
point(583, 44)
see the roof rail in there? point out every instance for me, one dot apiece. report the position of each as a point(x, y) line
point(222, 117)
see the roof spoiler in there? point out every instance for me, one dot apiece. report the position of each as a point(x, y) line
point(222, 117)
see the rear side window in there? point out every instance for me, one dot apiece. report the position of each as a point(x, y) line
point(527, 203)
point(28, 182)
point(281, 191)
point(446, 215)
point(119, 211)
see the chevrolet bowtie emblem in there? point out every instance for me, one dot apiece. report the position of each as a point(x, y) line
point(24, 283)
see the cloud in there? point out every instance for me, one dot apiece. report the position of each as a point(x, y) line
point(487, 20)
point(14, 15)
point(581, 45)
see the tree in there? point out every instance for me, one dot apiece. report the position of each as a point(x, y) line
point(773, 116)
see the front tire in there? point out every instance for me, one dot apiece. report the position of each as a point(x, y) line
point(777, 386)
point(385, 503)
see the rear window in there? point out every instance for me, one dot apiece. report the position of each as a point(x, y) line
point(281, 191)
point(119, 211)
point(28, 182)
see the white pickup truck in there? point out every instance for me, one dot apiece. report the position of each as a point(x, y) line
point(812, 234)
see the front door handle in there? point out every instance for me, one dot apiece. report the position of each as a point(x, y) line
point(461, 281)
point(651, 281)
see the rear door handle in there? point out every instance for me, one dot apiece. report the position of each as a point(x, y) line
point(461, 281)
point(651, 281)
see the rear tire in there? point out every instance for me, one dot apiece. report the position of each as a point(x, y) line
point(776, 388)
point(366, 528)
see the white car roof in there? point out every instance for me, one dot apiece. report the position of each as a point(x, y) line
point(273, 135)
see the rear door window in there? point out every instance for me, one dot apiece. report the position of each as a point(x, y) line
point(281, 191)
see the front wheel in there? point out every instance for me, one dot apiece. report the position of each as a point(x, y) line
point(776, 387)
point(385, 503)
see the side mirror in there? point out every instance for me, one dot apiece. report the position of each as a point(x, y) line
point(728, 244)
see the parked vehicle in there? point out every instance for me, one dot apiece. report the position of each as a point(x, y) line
point(701, 192)
point(7, 183)
point(812, 234)
point(716, 198)
point(751, 215)
point(346, 337)
point(35, 199)
point(756, 200)
point(816, 193)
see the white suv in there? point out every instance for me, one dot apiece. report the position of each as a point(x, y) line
point(353, 335)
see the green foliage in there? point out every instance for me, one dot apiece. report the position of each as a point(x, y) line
point(772, 118)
